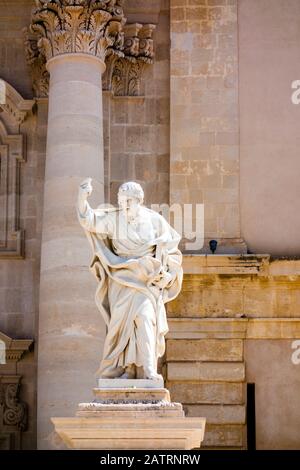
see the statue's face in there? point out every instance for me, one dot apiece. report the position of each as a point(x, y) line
point(128, 204)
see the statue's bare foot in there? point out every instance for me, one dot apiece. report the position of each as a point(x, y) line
point(129, 373)
point(126, 375)
point(151, 375)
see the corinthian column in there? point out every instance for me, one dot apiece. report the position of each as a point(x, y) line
point(73, 37)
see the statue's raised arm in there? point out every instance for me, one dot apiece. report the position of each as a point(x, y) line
point(91, 220)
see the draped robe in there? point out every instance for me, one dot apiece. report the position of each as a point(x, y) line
point(126, 261)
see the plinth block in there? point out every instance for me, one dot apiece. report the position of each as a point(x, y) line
point(132, 395)
point(135, 433)
point(130, 418)
point(130, 383)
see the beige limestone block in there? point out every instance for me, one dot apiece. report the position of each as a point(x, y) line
point(259, 302)
point(273, 328)
point(132, 394)
point(218, 414)
point(130, 433)
point(206, 371)
point(227, 435)
point(206, 392)
point(205, 350)
point(204, 109)
point(194, 307)
point(243, 328)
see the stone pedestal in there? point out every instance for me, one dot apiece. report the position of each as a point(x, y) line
point(130, 418)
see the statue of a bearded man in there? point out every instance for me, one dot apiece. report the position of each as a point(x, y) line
point(138, 267)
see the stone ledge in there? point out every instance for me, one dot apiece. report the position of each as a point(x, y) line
point(14, 348)
point(127, 406)
point(260, 264)
point(225, 264)
point(161, 409)
point(234, 328)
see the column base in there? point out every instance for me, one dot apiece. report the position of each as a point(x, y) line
point(128, 419)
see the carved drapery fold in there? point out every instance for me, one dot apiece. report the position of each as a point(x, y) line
point(92, 27)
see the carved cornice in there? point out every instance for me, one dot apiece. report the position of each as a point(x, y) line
point(12, 103)
point(92, 27)
point(14, 348)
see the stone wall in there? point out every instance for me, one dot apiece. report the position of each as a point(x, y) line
point(271, 367)
point(204, 114)
point(234, 322)
point(15, 15)
point(139, 126)
point(19, 278)
point(269, 134)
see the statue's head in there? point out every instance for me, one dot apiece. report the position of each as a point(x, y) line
point(130, 196)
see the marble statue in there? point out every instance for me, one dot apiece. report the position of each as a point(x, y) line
point(137, 264)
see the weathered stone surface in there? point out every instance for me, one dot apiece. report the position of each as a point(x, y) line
point(132, 394)
point(227, 435)
point(139, 126)
point(206, 371)
point(234, 286)
point(133, 408)
point(206, 392)
point(205, 350)
point(222, 328)
point(218, 414)
point(130, 433)
point(204, 110)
